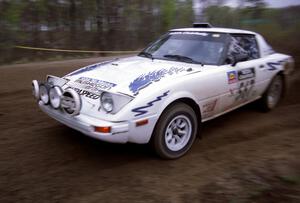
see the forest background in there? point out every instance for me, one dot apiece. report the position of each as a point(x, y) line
point(119, 25)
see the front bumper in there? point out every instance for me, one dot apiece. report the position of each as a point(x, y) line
point(121, 132)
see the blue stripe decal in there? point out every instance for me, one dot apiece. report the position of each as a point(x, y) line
point(142, 110)
point(89, 68)
point(273, 65)
point(154, 76)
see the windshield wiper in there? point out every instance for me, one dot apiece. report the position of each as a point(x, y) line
point(147, 54)
point(182, 58)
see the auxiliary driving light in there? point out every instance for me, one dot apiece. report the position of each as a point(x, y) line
point(55, 95)
point(71, 102)
point(44, 94)
point(35, 89)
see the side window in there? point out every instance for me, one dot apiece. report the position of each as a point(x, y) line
point(244, 44)
point(266, 49)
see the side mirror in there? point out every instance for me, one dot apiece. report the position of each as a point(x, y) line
point(239, 57)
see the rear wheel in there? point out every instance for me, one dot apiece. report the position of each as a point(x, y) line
point(273, 94)
point(175, 131)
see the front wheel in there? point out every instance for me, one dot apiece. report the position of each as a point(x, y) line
point(272, 96)
point(175, 131)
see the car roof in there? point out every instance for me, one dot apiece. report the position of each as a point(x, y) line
point(214, 29)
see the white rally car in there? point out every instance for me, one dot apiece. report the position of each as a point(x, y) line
point(163, 94)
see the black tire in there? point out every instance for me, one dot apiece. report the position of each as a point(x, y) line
point(175, 119)
point(273, 94)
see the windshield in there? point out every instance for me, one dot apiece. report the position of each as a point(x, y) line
point(191, 47)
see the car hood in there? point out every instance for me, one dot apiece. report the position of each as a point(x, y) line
point(127, 76)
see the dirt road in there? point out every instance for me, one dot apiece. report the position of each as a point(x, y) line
point(244, 156)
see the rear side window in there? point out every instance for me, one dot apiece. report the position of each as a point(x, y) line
point(245, 44)
point(266, 49)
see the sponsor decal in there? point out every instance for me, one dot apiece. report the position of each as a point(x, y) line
point(94, 85)
point(86, 93)
point(142, 110)
point(232, 77)
point(245, 89)
point(246, 73)
point(89, 68)
point(154, 76)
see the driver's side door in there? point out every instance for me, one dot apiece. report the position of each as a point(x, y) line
point(241, 74)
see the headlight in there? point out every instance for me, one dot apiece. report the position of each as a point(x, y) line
point(113, 103)
point(44, 96)
point(55, 95)
point(107, 102)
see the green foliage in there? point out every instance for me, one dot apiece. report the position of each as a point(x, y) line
point(222, 16)
point(184, 15)
point(168, 13)
point(86, 24)
point(12, 12)
point(279, 26)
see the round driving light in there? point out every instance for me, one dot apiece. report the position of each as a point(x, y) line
point(35, 89)
point(55, 95)
point(71, 102)
point(44, 94)
point(107, 102)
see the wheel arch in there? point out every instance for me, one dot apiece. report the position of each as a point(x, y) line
point(285, 71)
point(285, 84)
point(188, 101)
